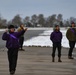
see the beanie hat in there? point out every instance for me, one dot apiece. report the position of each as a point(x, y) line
point(72, 23)
point(11, 26)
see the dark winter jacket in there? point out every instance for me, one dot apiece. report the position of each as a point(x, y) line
point(71, 34)
point(56, 36)
point(12, 39)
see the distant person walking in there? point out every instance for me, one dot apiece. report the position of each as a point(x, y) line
point(21, 39)
point(56, 38)
point(11, 37)
point(71, 36)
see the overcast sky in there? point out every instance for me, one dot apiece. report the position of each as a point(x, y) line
point(10, 8)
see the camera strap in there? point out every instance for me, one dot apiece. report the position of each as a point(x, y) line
point(13, 36)
point(73, 30)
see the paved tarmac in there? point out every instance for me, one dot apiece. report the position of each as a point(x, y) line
point(38, 61)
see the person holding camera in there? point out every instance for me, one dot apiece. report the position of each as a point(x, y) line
point(21, 39)
point(12, 43)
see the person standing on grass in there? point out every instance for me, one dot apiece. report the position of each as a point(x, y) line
point(71, 36)
point(12, 43)
point(56, 38)
point(21, 39)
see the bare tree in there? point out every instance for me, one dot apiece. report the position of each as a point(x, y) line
point(17, 20)
point(41, 20)
point(34, 20)
point(51, 20)
point(3, 22)
point(26, 21)
point(60, 20)
point(59, 17)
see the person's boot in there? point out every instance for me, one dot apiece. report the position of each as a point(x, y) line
point(12, 72)
point(59, 60)
point(53, 60)
point(70, 57)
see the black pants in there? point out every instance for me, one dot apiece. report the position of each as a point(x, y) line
point(21, 40)
point(58, 46)
point(72, 45)
point(12, 58)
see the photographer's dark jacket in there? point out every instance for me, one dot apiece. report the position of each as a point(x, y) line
point(12, 39)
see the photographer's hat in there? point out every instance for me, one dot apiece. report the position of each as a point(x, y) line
point(11, 26)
